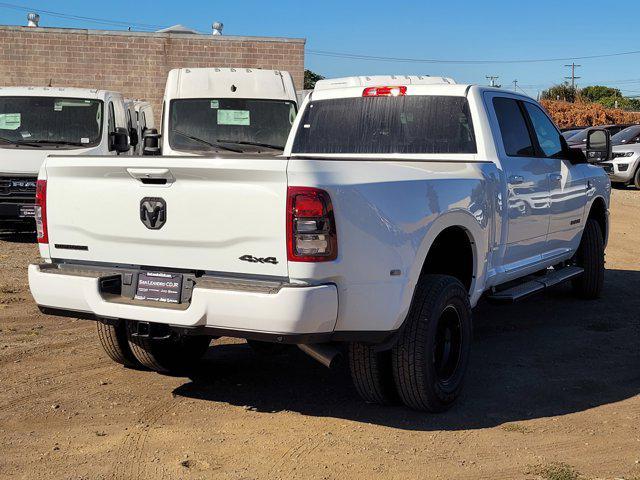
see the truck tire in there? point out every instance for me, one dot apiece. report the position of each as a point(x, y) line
point(431, 355)
point(590, 257)
point(372, 374)
point(113, 339)
point(172, 355)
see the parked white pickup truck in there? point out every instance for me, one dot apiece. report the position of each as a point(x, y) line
point(398, 203)
point(240, 110)
point(39, 121)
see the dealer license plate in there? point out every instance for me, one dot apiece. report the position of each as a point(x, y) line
point(159, 287)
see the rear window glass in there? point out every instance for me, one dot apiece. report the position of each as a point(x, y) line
point(405, 124)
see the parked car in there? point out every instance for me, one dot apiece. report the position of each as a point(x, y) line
point(580, 138)
point(209, 110)
point(397, 204)
point(571, 131)
point(36, 122)
point(628, 136)
point(624, 167)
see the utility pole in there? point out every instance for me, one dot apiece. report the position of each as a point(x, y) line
point(492, 79)
point(573, 77)
point(515, 85)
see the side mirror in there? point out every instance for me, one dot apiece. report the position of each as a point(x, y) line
point(119, 140)
point(133, 137)
point(598, 145)
point(151, 142)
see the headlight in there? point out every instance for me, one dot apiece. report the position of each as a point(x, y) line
point(623, 154)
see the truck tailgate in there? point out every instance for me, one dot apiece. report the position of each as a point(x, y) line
point(220, 214)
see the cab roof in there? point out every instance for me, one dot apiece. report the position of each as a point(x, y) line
point(379, 80)
point(70, 92)
point(349, 87)
point(230, 83)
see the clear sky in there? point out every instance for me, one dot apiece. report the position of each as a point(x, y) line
point(443, 30)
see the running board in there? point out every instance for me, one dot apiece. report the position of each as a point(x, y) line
point(524, 290)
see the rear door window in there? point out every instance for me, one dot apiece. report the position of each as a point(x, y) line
point(513, 128)
point(403, 124)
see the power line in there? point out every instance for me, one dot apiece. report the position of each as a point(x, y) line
point(355, 56)
point(101, 21)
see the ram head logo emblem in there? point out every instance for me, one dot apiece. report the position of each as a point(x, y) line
point(153, 212)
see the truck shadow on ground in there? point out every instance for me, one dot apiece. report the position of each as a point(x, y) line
point(550, 355)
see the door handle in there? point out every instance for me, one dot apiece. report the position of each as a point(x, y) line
point(516, 179)
point(556, 177)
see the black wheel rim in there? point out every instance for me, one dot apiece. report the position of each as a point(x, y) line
point(448, 345)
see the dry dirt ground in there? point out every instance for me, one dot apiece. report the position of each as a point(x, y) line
point(552, 380)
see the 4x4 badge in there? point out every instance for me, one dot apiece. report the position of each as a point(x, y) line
point(153, 212)
point(252, 259)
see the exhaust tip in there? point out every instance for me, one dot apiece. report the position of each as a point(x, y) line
point(326, 354)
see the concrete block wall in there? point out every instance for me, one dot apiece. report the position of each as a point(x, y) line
point(134, 63)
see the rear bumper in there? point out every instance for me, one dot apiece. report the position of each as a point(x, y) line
point(286, 311)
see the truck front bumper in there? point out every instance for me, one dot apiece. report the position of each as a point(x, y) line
point(215, 306)
point(16, 211)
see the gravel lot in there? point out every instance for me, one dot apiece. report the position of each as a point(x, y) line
point(553, 381)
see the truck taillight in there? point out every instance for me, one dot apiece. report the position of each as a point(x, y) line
point(384, 91)
point(311, 228)
point(41, 211)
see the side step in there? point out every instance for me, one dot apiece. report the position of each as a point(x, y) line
point(526, 289)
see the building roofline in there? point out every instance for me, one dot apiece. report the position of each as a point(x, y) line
point(126, 33)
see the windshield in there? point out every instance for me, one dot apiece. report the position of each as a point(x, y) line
point(405, 124)
point(61, 121)
point(627, 136)
point(209, 123)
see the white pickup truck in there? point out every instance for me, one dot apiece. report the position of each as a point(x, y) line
point(397, 204)
point(39, 121)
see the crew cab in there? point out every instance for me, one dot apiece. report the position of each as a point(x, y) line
point(39, 121)
point(237, 110)
point(399, 202)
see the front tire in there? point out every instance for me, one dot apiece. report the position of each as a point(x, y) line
point(175, 354)
point(432, 353)
point(590, 257)
point(113, 339)
point(372, 374)
point(636, 179)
